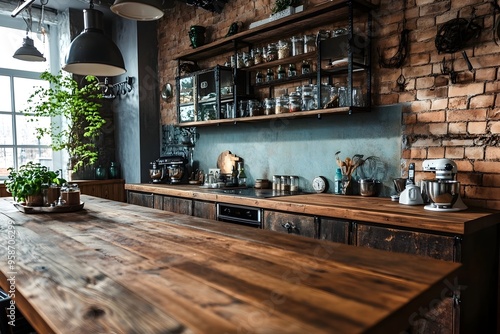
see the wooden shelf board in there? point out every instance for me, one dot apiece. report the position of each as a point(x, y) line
point(316, 16)
point(299, 114)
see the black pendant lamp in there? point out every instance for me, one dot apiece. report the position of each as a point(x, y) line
point(139, 10)
point(92, 52)
point(28, 51)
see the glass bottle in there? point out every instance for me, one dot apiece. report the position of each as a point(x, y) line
point(306, 67)
point(281, 72)
point(259, 77)
point(292, 71)
point(242, 177)
point(114, 170)
point(269, 75)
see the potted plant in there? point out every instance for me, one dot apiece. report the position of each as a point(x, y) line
point(79, 107)
point(27, 184)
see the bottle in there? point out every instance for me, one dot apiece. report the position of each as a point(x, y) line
point(411, 174)
point(306, 68)
point(269, 75)
point(337, 187)
point(242, 177)
point(281, 72)
point(234, 176)
point(259, 77)
point(292, 70)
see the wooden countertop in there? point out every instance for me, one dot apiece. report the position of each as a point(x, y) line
point(119, 268)
point(364, 209)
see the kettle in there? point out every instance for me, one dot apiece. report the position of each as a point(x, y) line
point(411, 195)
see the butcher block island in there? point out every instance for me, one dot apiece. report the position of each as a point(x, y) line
point(119, 268)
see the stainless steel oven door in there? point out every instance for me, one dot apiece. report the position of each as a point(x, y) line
point(237, 214)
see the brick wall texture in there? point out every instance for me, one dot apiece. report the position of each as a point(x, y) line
point(441, 119)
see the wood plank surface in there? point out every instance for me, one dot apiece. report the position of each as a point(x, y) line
point(357, 208)
point(119, 268)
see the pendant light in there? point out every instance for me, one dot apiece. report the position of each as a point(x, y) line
point(139, 10)
point(92, 52)
point(28, 51)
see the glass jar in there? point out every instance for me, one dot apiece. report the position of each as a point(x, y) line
point(269, 75)
point(281, 72)
point(281, 105)
point(294, 183)
point(277, 182)
point(309, 43)
point(259, 77)
point(272, 52)
point(306, 67)
point(248, 59)
point(268, 106)
point(285, 183)
point(70, 194)
point(101, 173)
point(283, 49)
point(294, 102)
point(292, 70)
point(257, 57)
point(253, 108)
point(297, 45)
point(240, 63)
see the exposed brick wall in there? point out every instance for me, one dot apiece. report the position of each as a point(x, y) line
point(459, 121)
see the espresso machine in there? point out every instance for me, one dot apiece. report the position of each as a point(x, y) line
point(169, 169)
point(444, 190)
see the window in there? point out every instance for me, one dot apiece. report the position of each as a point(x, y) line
point(18, 143)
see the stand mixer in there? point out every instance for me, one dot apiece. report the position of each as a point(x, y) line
point(444, 190)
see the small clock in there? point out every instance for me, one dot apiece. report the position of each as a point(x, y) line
point(319, 184)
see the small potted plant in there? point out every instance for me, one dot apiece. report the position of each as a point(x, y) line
point(28, 183)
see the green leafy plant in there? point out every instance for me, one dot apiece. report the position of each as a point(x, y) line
point(79, 106)
point(280, 5)
point(30, 180)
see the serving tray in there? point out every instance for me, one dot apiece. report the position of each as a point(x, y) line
point(48, 209)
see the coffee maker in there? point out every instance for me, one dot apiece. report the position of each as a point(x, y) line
point(173, 167)
point(444, 190)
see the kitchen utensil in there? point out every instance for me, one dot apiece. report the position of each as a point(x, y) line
point(368, 187)
point(399, 185)
point(411, 195)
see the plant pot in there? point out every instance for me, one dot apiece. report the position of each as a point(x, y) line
point(34, 200)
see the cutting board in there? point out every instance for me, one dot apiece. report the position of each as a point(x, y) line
point(226, 161)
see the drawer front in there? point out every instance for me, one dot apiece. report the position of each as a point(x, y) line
point(335, 230)
point(204, 209)
point(291, 223)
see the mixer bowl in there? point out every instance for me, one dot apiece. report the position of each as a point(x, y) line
point(443, 193)
point(156, 174)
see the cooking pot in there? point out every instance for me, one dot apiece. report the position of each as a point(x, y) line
point(368, 187)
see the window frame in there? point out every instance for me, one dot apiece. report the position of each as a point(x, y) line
point(54, 66)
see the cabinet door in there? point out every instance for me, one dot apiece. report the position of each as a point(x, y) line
point(204, 209)
point(178, 205)
point(443, 317)
point(401, 241)
point(291, 223)
point(335, 230)
point(141, 199)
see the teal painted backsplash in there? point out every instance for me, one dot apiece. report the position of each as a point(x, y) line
point(306, 146)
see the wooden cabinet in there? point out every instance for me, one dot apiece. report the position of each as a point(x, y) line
point(174, 204)
point(113, 189)
point(439, 247)
point(307, 226)
point(180, 205)
point(336, 230)
point(204, 209)
point(142, 199)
